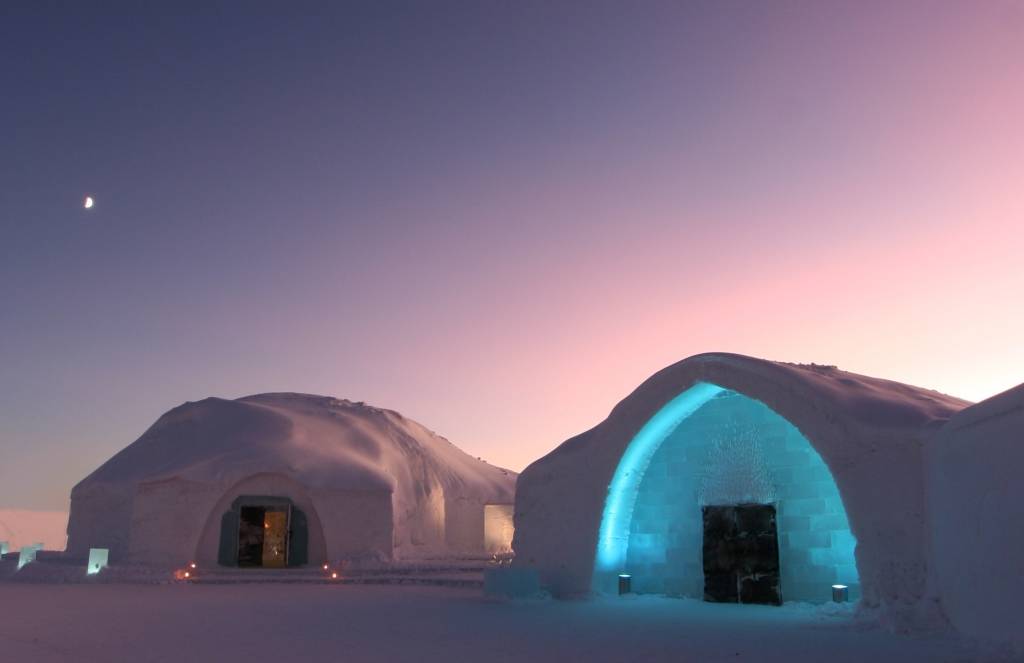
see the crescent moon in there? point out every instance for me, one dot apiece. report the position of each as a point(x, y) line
point(89, 202)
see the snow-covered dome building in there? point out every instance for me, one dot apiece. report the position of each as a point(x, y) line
point(736, 479)
point(289, 479)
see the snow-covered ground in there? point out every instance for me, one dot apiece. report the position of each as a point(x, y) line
point(264, 622)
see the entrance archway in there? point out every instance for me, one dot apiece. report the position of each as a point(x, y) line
point(715, 447)
point(266, 532)
point(277, 510)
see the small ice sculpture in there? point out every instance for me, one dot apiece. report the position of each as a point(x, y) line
point(97, 560)
point(27, 554)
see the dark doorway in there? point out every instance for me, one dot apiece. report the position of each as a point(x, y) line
point(741, 554)
point(250, 536)
point(262, 536)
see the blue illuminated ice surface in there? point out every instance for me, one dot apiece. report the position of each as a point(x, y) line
point(97, 560)
point(709, 446)
point(27, 555)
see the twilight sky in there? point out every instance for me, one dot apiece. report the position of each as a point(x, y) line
point(496, 218)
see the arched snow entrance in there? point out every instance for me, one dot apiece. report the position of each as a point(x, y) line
point(713, 447)
point(263, 531)
point(266, 520)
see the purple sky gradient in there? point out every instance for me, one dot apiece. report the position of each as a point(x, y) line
point(496, 218)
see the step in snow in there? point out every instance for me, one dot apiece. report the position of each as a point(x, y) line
point(447, 576)
point(464, 580)
point(455, 573)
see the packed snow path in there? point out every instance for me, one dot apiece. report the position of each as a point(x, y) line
point(178, 622)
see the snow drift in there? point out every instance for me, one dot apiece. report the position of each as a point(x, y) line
point(869, 432)
point(369, 481)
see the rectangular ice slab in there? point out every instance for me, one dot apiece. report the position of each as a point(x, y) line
point(97, 560)
point(498, 527)
point(26, 555)
point(510, 582)
point(3, 548)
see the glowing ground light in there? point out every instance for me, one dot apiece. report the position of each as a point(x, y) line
point(334, 576)
point(98, 558)
point(88, 202)
point(625, 583)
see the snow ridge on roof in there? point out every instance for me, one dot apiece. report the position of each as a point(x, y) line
point(320, 441)
point(869, 400)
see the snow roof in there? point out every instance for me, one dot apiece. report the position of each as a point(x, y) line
point(1005, 403)
point(320, 441)
point(866, 400)
point(862, 398)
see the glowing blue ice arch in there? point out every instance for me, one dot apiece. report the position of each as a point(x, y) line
point(816, 545)
point(613, 537)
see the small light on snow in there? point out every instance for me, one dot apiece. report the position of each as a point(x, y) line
point(839, 593)
point(192, 565)
point(325, 567)
point(625, 583)
point(187, 574)
point(334, 576)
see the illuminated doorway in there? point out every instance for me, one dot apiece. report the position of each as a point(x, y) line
point(263, 536)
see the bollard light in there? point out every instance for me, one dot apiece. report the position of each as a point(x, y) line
point(840, 593)
point(625, 583)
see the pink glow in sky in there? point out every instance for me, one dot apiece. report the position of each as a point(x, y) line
point(499, 221)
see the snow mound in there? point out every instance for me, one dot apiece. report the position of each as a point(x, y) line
point(281, 443)
point(317, 440)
